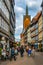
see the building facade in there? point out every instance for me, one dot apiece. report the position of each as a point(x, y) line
point(26, 23)
point(22, 38)
point(42, 22)
point(25, 37)
point(29, 36)
point(36, 28)
point(12, 22)
point(4, 22)
point(34, 31)
point(40, 29)
point(5, 10)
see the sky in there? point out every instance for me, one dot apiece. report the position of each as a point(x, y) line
point(20, 9)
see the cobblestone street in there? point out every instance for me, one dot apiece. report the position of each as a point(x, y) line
point(38, 60)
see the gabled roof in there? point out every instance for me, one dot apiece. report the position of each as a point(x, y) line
point(35, 19)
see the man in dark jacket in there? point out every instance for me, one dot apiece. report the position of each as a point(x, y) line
point(21, 51)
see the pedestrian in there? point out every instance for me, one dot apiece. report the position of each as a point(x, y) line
point(13, 53)
point(29, 51)
point(3, 57)
point(21, 51)
point(33, 51)
point(16, 51)
point(7, 54)
point(27, 48)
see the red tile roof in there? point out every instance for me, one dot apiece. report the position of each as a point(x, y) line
point(36, 17)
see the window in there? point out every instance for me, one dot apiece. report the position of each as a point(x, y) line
point(33, 33)
point(40, 21)
point(36, 38)
point(4, 9)
point(33, 38)
point(36, 25)
point(40, 36)
point(40, 28)
point(4, 25)
point(32, 27)
point(36, 31)
point(12, 21)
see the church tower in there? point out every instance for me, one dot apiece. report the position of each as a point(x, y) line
point(26, 19)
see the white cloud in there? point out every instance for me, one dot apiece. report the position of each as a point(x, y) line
point(19, 27)
point(19, 24)
point(34, 3)
point(19, 19)
point(31, 3)
point(19, 9)
point(18, 31)
point(17, 38)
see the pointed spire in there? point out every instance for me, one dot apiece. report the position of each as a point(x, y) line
point(42, 4)
point(26, 10)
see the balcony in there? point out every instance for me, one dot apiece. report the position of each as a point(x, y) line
point(32, 29)
point(25, 37)
point(11, 38)
point(40, 29)
point(11, 29)
point(12, 22)
point(36, 38)
point(33, 32)
point(25, 41)
point(33, 35)
point(2, 31)
point(36, 31)
point(33, 41)
point(36, 26)
point(33, 38)
point(13, 15)
point(40, 39)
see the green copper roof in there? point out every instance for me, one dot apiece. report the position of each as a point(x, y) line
point(26, 10)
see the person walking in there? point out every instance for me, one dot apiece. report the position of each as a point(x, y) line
point(16, 51)
point(33, 51)
point(13, 53)
point(27, 48)
point(3, 57)
point(29, 51)
point(21, 51)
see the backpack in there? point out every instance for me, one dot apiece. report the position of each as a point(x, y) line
point(12, 52)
